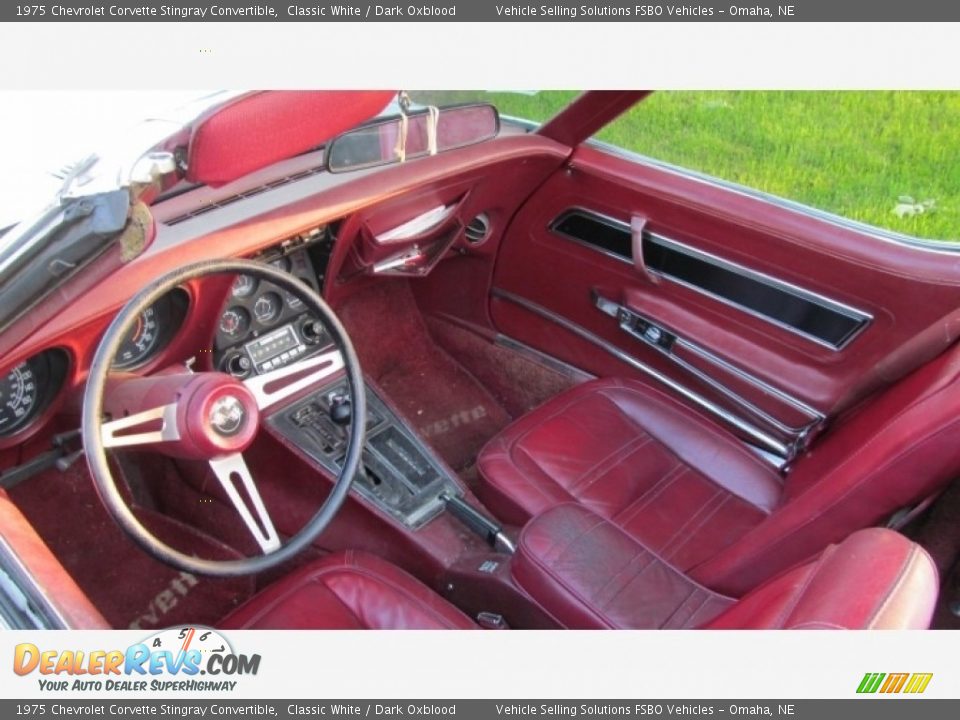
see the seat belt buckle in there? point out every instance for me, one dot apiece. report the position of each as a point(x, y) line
point(492, 621)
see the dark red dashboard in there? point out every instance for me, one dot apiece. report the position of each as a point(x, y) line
point(493, 178)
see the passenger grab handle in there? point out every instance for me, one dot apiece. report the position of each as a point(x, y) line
point(638, 224)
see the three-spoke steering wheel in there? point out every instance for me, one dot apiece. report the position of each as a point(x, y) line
point(214, 417)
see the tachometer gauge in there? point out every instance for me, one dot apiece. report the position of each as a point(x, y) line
point(243, 286)
point(19, 393)
point(140, 341)
point(234, 322)
point(293, 301)
point(267, 308)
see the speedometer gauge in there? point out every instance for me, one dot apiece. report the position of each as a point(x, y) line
point(140, 341)
point(153, 330)
point(27, 390)
point(19, 393)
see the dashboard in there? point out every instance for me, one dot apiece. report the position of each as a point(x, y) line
point(258, 328)
point(262, 327)
point(289, 214)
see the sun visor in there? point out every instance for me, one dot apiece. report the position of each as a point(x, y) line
point(260, 129)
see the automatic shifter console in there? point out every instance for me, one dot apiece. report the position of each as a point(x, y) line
point(399, 474)
point(340, 410)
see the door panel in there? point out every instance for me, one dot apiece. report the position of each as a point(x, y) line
point(780, 317)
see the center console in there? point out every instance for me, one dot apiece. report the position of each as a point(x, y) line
point(398, 475)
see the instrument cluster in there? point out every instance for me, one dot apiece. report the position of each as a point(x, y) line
point(263, 327)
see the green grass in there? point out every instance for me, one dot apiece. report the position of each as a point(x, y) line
point(856, 154)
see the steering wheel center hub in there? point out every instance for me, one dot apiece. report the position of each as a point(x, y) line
point(227, 415)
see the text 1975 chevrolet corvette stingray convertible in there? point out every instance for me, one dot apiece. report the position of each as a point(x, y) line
point(328, 359)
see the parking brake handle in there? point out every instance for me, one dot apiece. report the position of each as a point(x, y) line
point(479, 523)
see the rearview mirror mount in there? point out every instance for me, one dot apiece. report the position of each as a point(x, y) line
point(394, 139)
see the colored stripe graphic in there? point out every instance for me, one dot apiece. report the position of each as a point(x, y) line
point(918, 682)
point(895, 682)
point(871, 682)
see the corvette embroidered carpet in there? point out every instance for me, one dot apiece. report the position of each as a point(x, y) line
point(448, 406)
point(130, 588)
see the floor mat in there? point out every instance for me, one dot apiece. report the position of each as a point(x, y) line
point(518, 383)
point(127, 586)
point(449, 407)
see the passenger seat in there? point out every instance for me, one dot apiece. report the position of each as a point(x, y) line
point(691, 492)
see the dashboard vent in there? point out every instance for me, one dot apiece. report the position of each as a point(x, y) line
point(223, 202)
point(478, 229)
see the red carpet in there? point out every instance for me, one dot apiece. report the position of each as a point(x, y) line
point(129, 587)
point(448, 406)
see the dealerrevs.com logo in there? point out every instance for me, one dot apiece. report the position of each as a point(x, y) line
point(178, 659)
point(894, 683)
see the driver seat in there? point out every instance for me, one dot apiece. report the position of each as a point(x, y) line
point(875, 579)
point(349, 590)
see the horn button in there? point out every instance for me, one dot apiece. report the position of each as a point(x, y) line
point(227, 415)
point(217, 415)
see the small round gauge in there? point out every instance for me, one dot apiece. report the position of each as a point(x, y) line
point(234, 322)
point(19, 395)
point(243, 286)
point(281, 263)
point(140, 341)
point(267, 308)
point(293, 301)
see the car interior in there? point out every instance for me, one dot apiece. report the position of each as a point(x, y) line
point(514, 379)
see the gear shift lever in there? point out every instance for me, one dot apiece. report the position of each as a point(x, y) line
point(341, 410)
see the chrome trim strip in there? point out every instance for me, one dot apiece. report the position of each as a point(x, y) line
point(823, 301)
point(872, 231)
point(765, 439)
point(814, 297)
point(554, 224)
point(50, 609)
point(752, 379)
point(604, 304)
point(778, 462)
point(420, 225)
point(729, 394)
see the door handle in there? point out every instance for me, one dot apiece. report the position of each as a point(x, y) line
point(637, 225)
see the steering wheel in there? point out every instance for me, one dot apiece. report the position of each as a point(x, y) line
point(213, 416)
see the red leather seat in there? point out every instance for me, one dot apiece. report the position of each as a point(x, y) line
point(587, 573)
point(694, 494)
point(351, 590)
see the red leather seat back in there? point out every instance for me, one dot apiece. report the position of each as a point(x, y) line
point(351, 590)
point(589, 574)
point(875, 580)
point(893, 452)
